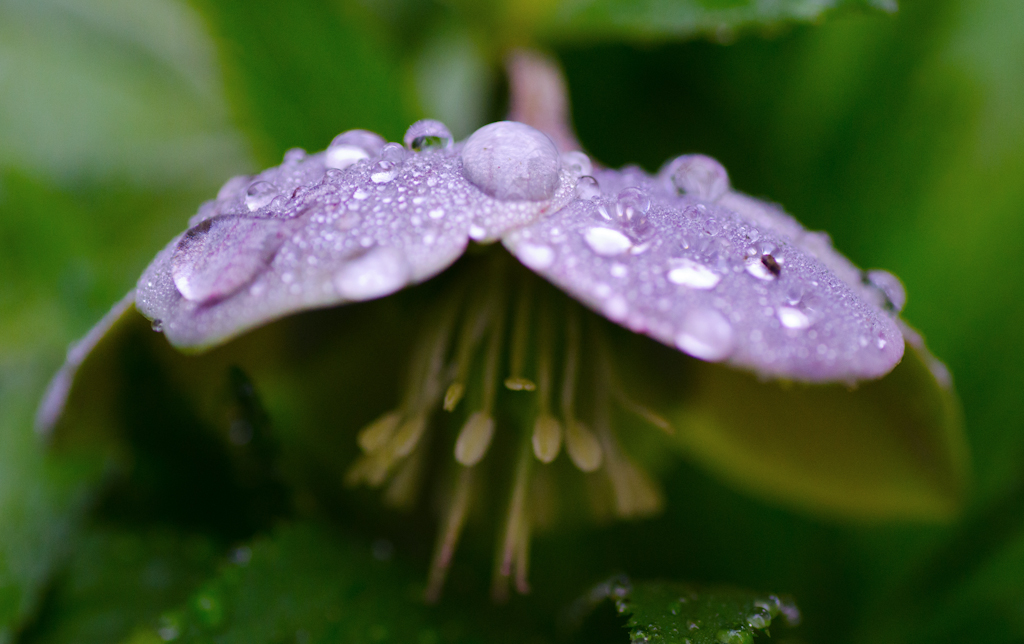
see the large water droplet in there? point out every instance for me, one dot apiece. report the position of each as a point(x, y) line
point(221, 255)
point(380, 272)
point(351, 147)
point(606, 241)
point(698, 176)
point(588, 188)
point(512, 161)
point(893, 293)
point(693, 275)
point(706, 334)
point(428, 135)
point(259, 194)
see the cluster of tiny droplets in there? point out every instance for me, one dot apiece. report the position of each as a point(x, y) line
point(678, 256)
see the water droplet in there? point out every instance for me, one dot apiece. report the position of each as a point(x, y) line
point(693, 275)
point(735, 636)
point(889, 286)
point(294, 155)
point(588, 188)
point(221, 255)
point(793, 318)
point(391, 157)
point(428, 135)
point(631, 206)
point(157, 325)
point(351, 147)
point(535, 256)
point(436, 213)
point(706, 334)
point(512, 161)
point(712, 226)
point(760, 619)
point(379, 272)
point(698, 176)
point(233, 186)
point(259, 194)
point(606, 241)
point(577, 163)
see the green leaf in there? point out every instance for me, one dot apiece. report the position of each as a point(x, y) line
point(118, 89)
point(301, 72)
point(42, 498)
point(890, 449)
point(307, 583)
point(119, 580)
point(661, 19)
point(675, 613)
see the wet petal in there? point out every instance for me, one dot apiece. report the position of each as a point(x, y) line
point(728, 278)
point(359, 221)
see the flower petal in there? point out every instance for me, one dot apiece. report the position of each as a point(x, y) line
point(345, 225)
point(731, 279)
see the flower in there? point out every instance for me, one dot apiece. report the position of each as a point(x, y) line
point(678, 256)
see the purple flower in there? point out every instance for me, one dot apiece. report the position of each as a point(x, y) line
point(678, 256)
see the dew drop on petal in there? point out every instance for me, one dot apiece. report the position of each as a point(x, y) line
point(379, 272)
point(895, 297)
point(428, 134)
point(233, 186)
point(632, 204)
point(221, 255)
point(577, 163)
point(537, 257)
point(793, 318)
point(350, 147)
point(391, 157)
point(294, 155)
point(706, 334)
point(259, 194)
point(512, 161)
point(693, 275)
point(698, 176)
point(588, 188)
point(606, 241)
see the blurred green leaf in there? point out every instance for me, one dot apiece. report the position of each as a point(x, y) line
point(676, 613)
point(663, 19)
point(118, 89)
point(890, 449)
point(307, 583)
point(42, 499)
point(119, 580)
point(301, 72)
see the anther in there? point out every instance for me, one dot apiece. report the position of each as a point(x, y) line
point(375, 435)
point(474, 439)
